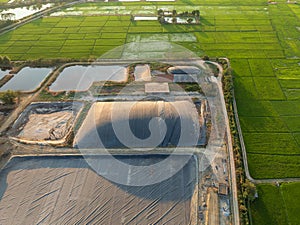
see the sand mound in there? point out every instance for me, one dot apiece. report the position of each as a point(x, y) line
point(139, 124)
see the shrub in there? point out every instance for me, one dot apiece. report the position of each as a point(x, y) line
point(8, 97)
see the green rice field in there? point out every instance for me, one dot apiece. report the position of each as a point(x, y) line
point(276, 205)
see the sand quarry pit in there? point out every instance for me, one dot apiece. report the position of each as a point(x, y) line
point(65, 190)
point(46, 123)
point(128, 124)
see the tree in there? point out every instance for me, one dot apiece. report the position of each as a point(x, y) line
point(249, 190)
point(174, 20)
point(8, 97)
point(161, 19)
point(174, 12)
point(190, 20)
point(8, 16)
point(131, 18)
point(6, 61)
point(160, 12)
point(205, 57)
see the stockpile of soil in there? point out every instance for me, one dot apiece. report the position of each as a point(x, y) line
point(129, 124)
point(52, 126)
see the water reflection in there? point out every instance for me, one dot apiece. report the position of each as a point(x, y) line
point(28, 79)
point(80, 78)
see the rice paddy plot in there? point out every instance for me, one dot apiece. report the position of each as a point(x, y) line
point(241, 68)
point(261, 67)
point(291, 196)
point(263, 124)
point(257, 108)
point(290, 83)
point(267, 166)
point(268, 208)
point(271, 143)
point(245, 89)
point(287, 108)
point(292, 94)
point(268, 88)
point(276, 205)
point(292, 122)
point(297, 137)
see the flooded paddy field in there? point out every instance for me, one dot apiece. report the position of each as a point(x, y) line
point(80, 78)
point(27, 79)
point(21, 12)
point(65, 190)
point(46, 123)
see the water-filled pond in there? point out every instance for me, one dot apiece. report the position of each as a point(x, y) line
point(27, 79)
point(80, 78)
point(3, 73)
point(21, 12)
point(146, 18)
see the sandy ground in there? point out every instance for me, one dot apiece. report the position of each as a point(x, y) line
point(50, 126)
point(64, 190)
point(129, 124)
point(142, 73)
point(212, 216)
